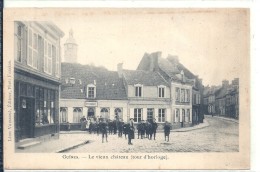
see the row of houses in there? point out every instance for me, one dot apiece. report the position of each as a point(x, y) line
point(49, 94)
point(159, 88)
point(222, 100)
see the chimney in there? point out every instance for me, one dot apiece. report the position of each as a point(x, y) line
point(120, 69)
point(200, 80)
point(154, 57)
point(235, 81)
point(225, 83)
point(173, 59)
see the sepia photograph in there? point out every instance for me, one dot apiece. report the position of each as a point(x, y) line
point(140, 85)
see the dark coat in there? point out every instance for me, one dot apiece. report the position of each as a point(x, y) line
point(167, 129)
point(154, 127)
point(120, 126)
point(131, 131)
point(125, 128)
point(149, 128)
point(103, 127)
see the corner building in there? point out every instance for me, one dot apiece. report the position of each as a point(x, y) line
point(36, 79)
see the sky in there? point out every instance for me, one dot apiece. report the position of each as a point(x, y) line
point(210, 43)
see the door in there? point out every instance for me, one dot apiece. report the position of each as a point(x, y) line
point(26, 113)
point(91, 113)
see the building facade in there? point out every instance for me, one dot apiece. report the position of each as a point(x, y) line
point(91, 92)
point(141, 94)
point(148, 96)
point(223, 100)
point(184, 87)
point(36, 79)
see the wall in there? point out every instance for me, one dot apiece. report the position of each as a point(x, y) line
point(148, 91)
point(111, 105)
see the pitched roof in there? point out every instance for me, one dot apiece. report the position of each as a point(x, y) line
point(211, 90)
point(168, 67)
point(148, 78)
point(108, 85)
point(153, 62)
point(221, 93)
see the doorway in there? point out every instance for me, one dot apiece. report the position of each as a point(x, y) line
point(26, 115)
point(91, 113)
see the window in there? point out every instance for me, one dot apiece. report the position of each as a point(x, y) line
point(77, 114)
point(150, 114)
point(137, 115)
point(183, 115)
point(32, 57)
point(182, 95)
point(187, 117)
point(104, 113)
point(63, 115)
point(138, 91)
point(18, 42)
point(91, 93)
point(118, 113)
point(50, 53)
point(72, 80)
point(161, 91)
point(54, 57)
point(161, 115)
point(188, 95)
point(177, 94)
point(177, 115)
point(45, 106)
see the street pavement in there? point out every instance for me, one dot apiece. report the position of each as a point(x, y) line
point(215, 135)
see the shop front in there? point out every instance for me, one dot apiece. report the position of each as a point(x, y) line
point(36, 107)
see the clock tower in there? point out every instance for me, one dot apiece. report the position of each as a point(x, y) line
point(70, 49)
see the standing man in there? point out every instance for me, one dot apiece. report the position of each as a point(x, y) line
point(103, 129)
point(131, 132)
point(120, 128)
point(154, 128)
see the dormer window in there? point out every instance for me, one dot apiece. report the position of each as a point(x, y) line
point(182, 75)
point(72, 80)
point(161, 91)
point(91, 91)
point(138, 90)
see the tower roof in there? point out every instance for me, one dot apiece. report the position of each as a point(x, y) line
point(71, 40)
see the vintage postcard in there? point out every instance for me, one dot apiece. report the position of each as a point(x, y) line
point(121, 88)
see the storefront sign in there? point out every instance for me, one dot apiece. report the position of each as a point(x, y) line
point(93, 104)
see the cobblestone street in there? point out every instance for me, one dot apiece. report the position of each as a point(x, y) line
point(220, 136)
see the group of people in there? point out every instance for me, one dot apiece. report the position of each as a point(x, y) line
point(145, 129)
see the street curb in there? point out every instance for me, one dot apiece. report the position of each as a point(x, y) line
point(72, 147)
point(227, 119)
point(204, 125)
